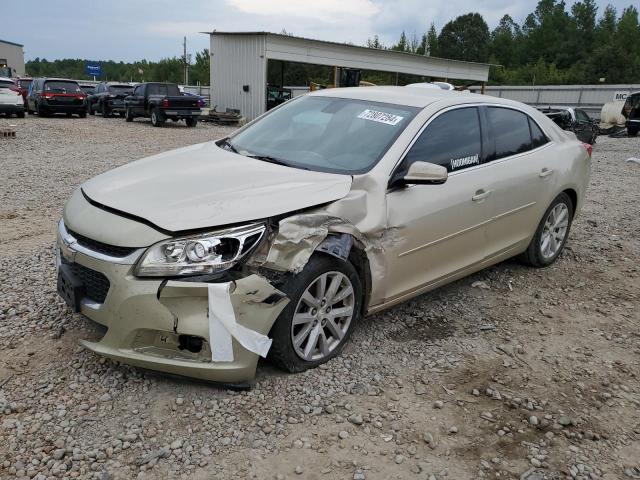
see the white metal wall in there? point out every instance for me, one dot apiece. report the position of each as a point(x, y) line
point(14, 54)
point(238, 60)
point(591, 98)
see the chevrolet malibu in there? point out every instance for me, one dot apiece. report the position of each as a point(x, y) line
point(278, 239)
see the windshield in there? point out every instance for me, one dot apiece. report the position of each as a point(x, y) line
point(326, 134)
point(24, 83)
point(62, 87)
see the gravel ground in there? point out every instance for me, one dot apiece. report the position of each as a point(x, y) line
point(512, 373)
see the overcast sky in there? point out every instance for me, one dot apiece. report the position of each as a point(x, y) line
point(152, 29)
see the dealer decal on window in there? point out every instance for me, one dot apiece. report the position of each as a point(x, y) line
point(380, 117)
point(465, 161)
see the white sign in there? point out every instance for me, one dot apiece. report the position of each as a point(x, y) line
point(620, 96)
point(380, 117)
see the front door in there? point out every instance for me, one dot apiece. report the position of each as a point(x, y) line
point(440, 230)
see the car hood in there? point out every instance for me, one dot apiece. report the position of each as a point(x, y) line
point(206, 186)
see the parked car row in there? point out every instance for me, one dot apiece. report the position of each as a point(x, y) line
point(47, 96)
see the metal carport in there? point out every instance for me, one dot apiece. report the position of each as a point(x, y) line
point(239, 65)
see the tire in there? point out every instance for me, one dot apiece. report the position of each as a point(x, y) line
point(68, 115)
point(632, 131)
point(20, 114)
point(156, 118)
point(191, 122)
point(106, 113)
point(121, 114)
point(283, 353)
point(82, 114)
point(90, 110)
point(536, 255)
point(41, 111)
point(128, 116)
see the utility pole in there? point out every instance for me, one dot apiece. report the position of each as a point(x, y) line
point(186, 62)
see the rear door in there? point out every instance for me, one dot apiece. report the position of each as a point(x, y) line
point(136, 101)
point(440, 230)
point(523, 170)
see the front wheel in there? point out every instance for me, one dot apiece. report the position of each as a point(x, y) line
point(191, 122)
point(632, 131)
point(551, 234)
point(156, 118)
point(128, 116)
point(325, 303)
point(20, 114)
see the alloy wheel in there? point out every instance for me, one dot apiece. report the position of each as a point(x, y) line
point(323, 316)
point(554, 231)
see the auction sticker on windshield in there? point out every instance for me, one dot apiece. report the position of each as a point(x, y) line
point(380, 117)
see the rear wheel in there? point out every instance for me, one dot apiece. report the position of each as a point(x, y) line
point(20, 114)
point(82, 114)
point(41, 111)
point(128, 116)
point(632, 131)
point(552, 233)
point(90, 110)
point(191, 122)
point(156, 118)
point(106, 113)
point(326, 299)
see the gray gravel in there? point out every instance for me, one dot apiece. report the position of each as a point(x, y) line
point(531, 374)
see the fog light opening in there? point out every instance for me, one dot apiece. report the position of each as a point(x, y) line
point(191, 343)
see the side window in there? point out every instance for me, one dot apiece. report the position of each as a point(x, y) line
point(510, 131)
point(137, 90)
point(538, 138)
point(452, 140)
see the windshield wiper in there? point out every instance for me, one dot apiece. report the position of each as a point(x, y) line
point(277, 161)
point(227, 143)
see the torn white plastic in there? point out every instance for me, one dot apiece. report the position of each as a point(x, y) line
point(223, 327)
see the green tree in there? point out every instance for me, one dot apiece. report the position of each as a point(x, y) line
point(432, 41)
point(505, 38)
point(465, 38)
point(402, 45)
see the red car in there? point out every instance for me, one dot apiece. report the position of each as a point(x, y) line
point(23, 85)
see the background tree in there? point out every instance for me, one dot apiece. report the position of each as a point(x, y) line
point(465, 38)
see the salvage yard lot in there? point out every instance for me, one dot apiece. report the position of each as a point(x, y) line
point(511, 373)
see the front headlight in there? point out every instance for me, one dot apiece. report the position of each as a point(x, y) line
point(199, 254)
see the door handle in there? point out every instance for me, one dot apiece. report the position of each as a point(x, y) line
point(481, 195)
point(545, 172)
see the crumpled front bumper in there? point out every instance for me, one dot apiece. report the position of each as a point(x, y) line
point(146, 317)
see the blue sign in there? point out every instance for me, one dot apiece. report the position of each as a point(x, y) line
point(94, 70)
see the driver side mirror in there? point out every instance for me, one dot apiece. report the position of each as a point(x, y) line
point(425, 173)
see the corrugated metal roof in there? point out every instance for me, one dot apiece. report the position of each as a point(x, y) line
point(393, 52)
point(11, 43)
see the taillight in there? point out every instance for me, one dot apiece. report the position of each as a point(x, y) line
point(165, 102)
point(80, 97)
point(201, 103)
point(588, 148)
point(47, 95)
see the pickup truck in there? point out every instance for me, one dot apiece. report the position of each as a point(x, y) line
point(161, 102)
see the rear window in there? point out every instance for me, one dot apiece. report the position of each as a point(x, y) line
point(161, 89)
point(121, 88)
point(6, 84)
point(24, 83)
point(61, 86)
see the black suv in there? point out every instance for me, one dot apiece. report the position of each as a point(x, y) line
point(631, 112)
point(108, 98)
point(56, 95)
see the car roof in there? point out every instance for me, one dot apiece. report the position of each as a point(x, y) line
point(411, 96)
point(54, 79)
